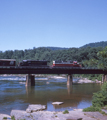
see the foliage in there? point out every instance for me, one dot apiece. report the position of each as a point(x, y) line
point(43, 53)
point(104, 87)
point(12, 117)
point(96, 44)
point(102, 58)
point(100, 98)
point(4, 117)
point(65, 112)
point(92, 77)
point(92, 109)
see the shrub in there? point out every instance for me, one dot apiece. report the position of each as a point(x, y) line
point(4, 117)
point(104, 86)
point(65, 112)
point(12, 117)
point(100, 98)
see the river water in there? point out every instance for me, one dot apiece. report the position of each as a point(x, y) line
point(15, 95)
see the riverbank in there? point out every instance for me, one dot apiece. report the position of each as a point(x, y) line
point(47, 115)
point(85, 80)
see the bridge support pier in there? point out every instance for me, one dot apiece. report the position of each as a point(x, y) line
point(69, 80)
point(30, 80)
point(104, 78)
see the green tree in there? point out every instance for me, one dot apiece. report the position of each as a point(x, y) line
point(102, 58)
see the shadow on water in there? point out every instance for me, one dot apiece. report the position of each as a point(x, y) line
point(15, 95)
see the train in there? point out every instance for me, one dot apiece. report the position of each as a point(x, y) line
point(39, 63)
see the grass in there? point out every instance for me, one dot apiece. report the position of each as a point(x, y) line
point(92, 109)
point(102, 112)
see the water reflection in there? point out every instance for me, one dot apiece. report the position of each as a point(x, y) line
point(15, 95)
point(69, 88)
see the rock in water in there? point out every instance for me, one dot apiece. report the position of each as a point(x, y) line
point(57, 103)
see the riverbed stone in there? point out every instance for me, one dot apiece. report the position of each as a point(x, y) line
point(78, 110)
point(4, 115)
point(35, 107)
point(57, 103)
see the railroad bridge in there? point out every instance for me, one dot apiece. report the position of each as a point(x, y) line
point(30, 70)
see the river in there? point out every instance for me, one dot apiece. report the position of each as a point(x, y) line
point(15, 95)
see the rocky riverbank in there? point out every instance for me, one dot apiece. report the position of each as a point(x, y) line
point(49, 77)
point(47, 115)
point(85, 80)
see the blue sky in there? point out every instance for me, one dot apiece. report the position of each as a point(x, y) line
point(25, 24)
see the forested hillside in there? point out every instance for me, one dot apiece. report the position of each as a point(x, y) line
point(96, 44)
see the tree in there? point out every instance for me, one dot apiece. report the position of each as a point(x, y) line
point(102, 55)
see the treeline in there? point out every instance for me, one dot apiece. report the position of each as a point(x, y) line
point(96, 44)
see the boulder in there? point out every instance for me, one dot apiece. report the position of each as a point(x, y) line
point(78, 110)
point(4, 115)
point(35, 107)
point(18, 114)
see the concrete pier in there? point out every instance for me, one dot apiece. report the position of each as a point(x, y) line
point(30, 80)
point(69, 80)
point(104, 78)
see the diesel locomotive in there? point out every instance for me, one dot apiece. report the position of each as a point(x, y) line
point(33, 63)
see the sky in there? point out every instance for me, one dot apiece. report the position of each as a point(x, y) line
point(25, 24)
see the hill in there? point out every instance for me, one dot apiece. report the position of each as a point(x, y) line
point(57, 48)
point(96, 44)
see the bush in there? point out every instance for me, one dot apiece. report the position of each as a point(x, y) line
point(100, 98)
point(92, 109)
point(4, 117)
point(65, 112)
point(104, 87)
point(12, 117)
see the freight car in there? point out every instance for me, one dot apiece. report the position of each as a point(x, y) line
point(33, 63)
point(65, 64)
point(7, 62)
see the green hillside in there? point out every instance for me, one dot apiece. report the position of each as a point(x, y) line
point(96, 44)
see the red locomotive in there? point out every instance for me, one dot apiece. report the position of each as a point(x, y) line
point(65, 64)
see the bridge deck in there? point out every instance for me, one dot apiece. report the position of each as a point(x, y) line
point(49, 70)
